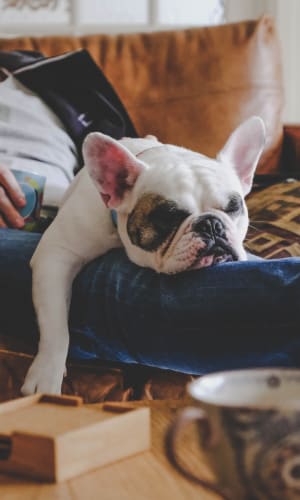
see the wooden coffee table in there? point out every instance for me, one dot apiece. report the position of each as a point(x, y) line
point(147, 476)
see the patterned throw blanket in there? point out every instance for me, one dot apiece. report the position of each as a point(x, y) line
point(274, 230)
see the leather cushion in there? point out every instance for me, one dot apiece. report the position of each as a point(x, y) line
point(189, 87)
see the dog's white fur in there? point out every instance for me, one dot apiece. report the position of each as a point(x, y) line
point(83, 228)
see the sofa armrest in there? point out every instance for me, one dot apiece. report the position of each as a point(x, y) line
point(290, 156)
point(289, 161)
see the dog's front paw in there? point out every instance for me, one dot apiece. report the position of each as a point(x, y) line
point(44, 376)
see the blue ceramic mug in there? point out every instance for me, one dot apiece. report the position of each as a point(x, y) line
point(33, 186)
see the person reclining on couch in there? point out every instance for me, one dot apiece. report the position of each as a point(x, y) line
point(228, 316)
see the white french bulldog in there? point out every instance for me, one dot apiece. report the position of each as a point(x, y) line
point(177, 210)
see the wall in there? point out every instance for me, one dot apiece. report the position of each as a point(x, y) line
point(287, 16)
point(86, 16)
point(237, 10)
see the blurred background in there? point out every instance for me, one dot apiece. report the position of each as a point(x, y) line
point(39, 17)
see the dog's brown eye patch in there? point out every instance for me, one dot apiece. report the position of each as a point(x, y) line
point(153, 220)
point(235, 205)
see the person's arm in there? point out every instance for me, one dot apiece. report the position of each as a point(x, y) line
point(11, 198)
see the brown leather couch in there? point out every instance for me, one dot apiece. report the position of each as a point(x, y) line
point(192, 88)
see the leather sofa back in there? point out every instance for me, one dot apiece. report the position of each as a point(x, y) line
point(189, 87)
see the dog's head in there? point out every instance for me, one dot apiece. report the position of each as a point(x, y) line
point(177, 209)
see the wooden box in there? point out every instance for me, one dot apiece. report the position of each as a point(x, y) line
point(54, 438)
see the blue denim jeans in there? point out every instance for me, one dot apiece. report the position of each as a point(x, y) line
point(233, 315)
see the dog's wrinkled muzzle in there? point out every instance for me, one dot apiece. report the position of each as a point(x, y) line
point(212, 231)
point(199, 242)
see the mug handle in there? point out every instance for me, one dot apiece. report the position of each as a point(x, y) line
point(186, 416)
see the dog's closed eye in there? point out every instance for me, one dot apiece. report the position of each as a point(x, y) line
point(153, 220)
point(166, 216)
point(235, 205)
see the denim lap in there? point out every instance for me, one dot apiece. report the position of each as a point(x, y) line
point(233, 315)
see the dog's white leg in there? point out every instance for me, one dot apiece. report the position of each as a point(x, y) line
point(81, 231)
point(54, 269)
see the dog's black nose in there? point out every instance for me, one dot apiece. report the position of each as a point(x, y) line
point(210, 227)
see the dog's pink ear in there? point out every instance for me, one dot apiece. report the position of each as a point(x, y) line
point(244, 148)
point(112, 167)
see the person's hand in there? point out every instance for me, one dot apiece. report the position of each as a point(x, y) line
point(11, 198)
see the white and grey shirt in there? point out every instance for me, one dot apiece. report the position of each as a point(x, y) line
point(33, 138)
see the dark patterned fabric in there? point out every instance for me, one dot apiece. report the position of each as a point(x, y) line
point(274, 230)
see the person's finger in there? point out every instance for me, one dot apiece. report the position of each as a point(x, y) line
point(8, 211)
point(2, 223)
point(13, 189)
